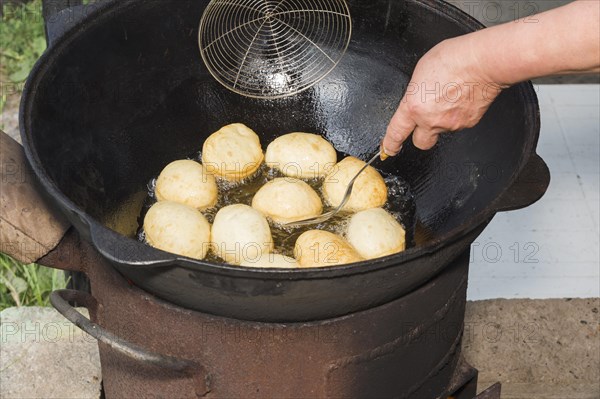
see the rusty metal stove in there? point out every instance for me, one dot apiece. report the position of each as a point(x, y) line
point(409, 347)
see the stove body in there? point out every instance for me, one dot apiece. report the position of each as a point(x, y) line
point(407, 348)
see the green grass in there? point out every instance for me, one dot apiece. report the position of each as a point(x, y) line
point(22, 42)
point(27, 285)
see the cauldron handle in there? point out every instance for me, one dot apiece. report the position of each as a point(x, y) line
point(53, 7)
point(60, 300)
point(530, 186)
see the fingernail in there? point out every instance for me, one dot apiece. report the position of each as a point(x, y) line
point(385, 153)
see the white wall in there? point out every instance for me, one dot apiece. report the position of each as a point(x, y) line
point(500, 11)
point(550, 249)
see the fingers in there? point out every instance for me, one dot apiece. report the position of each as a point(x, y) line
point(400, 127)
point(424, 139)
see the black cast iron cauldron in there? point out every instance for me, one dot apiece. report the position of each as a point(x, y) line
point(124, 91)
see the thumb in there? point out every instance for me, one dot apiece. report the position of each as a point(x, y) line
point(400, 127)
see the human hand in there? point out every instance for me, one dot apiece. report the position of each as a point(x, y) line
point(449, 91)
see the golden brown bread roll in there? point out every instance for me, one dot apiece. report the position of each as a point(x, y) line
point(188, 183)
point(369, 190)
point(233, 152)
point(287, 200)
point(301, 155)
point(177, 228)
point(375, 233)
point(241, 233)
point(318, 248)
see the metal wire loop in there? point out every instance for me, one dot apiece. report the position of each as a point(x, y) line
point(273, 48)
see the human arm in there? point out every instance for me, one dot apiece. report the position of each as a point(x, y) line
point(468, 72)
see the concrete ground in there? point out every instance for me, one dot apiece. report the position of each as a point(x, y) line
point(537, 349)
point(43, 355)
point(546, 349)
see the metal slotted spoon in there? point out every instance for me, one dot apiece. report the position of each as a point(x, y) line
point(328, 215)
point(273, 48)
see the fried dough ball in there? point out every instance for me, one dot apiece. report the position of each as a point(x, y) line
point(233, 152)
point(301, 155)
point(375, 233)
point(275, 261)
point(177, 228)
point(369, 190)
point(286, 199)
point(241, 233)
point(318, 248)
point(188, 183)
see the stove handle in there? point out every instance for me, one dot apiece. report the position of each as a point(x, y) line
point(60, 300)
point(529, 187)
point(58, 14)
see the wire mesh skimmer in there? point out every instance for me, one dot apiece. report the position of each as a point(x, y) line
point(273, 48)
